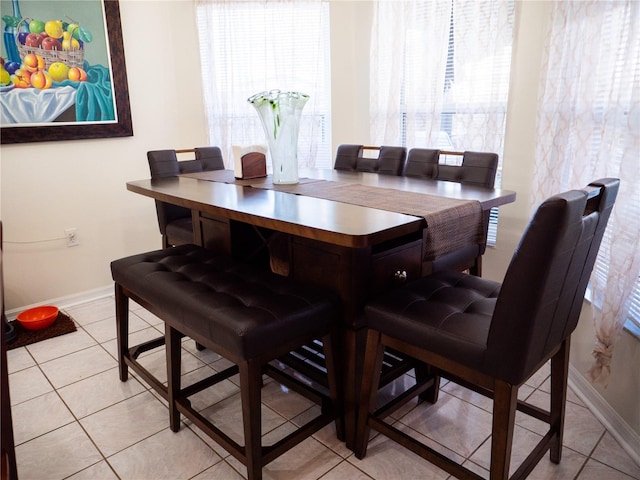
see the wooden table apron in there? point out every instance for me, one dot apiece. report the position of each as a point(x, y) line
point(352, 249)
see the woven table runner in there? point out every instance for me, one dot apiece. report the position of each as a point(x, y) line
point(452, 223)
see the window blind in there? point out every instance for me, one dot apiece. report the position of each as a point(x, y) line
point(450, 64)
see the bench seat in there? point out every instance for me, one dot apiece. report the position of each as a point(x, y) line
point(248, 315)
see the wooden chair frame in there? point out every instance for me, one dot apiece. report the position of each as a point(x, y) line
point(505, 404)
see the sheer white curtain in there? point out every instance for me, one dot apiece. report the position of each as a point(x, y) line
point(408, 58)
point(250, 46)
point(589, 128)
point(440, 73)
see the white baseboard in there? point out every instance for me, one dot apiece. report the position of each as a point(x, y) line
point(67, 301)
point(628, 439)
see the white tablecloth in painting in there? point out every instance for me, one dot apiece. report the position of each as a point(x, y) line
point(33, 106)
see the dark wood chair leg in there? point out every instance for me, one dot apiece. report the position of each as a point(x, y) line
point(559, 378)
point(374, 354)
point(174, 360)
point(504, 414)
point(122, 330)
point(250, 383)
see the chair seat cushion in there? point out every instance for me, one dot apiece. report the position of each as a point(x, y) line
point(245, 310)
point(448, 313)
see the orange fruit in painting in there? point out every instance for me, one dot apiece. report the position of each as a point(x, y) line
point(41, 80)
point(77, 74)
point(21, 78)
point(33, 62)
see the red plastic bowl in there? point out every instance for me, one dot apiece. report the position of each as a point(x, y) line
point(38, 318)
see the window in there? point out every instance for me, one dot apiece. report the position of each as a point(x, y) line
point(249, 47)
point(633, 323)
point(611, 116)
point(443, 81)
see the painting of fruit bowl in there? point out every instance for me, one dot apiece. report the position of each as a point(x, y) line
point(62, 71)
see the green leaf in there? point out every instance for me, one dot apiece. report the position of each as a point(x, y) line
point(85, 35)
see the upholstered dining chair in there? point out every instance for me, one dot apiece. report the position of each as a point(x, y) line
point(389, 161)
point(347, 157)
point(174, 221)
point(492, 337)
point(479, 169)
point(422, 163)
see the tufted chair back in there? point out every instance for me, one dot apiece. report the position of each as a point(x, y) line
point(347, 157)
point(390, 160)
point(478, 168)
point(422, 162)
point(546, 281)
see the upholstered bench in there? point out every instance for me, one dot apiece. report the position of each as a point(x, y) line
point(248, 315)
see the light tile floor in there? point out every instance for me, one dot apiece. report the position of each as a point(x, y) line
point(74, 419)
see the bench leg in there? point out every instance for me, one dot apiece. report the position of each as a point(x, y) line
point(174, 358)
point(250, 384)
point(423, 373)
point(122, 330)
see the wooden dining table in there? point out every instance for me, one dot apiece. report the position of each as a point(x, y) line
point(357, 233)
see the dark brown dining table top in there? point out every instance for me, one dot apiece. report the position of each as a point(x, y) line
point(273, 206)
point(453, 213)
point(309, 217)
point(488, 197)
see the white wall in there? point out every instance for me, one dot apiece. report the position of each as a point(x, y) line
point(47, 187)
point(350, 35)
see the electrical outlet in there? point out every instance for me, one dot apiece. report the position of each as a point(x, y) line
point(72, 237)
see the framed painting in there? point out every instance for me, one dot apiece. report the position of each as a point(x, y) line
point(63, 74)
